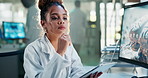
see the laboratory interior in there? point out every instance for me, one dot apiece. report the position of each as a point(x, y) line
point(107, 33)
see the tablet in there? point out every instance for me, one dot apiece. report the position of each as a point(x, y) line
point(99, 68)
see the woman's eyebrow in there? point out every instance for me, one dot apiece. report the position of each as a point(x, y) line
point(54, 14)
point(58, 14)
point(65, 14)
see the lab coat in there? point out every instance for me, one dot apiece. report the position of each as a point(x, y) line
point(32, 23)
point(42, 61)
point(78, 26)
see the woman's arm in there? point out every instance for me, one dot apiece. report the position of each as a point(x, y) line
point(34, 68)
point(77, 67)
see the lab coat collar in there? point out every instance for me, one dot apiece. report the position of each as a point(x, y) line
point(46, 46)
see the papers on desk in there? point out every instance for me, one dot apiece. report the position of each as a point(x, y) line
point(99, 68)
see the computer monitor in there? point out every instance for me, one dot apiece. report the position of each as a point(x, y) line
point(134, 35)
point(13, 30)
point(1, 35)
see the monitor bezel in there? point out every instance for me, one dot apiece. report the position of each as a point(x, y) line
point(145, 65)
point(12, 22)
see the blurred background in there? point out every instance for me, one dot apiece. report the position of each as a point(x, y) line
point(100, 27)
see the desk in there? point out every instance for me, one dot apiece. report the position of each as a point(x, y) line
point(115, 75)
point(10, 52)
point(123, 70)
point(10, 62)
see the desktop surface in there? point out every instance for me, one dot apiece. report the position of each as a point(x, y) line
point(115, 75)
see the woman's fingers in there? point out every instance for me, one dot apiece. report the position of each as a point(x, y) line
point(91, 76)
point(99, 74)
point(67, 37)
point(63, 43)
point(96, 75)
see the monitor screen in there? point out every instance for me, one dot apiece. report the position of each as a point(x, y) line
point(13, 30)
point(1, 35)
point(134, 35)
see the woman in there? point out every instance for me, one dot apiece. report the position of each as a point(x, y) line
point(52, 55)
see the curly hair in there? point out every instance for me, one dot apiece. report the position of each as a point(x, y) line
point(44, 5)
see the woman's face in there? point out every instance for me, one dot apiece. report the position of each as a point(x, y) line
point(57, 21)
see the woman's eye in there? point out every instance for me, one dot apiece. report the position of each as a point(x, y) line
point(65, 18)
point(54, 18)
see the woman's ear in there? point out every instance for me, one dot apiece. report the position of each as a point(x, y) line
point(42, 23)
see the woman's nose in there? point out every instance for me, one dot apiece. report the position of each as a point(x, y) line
point(61, 21)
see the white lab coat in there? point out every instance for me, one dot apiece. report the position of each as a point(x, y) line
point(42, 61)
point(78, 24)
point(32, 23)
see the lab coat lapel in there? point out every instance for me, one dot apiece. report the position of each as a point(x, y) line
point(47, 47)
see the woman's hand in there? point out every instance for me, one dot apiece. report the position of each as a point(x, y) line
point(63, 43)
point(95, 75)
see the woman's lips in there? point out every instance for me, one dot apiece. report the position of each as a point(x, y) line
point(61, 27)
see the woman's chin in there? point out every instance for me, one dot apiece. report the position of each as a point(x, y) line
point(61, 31)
